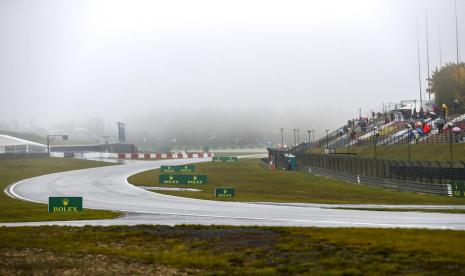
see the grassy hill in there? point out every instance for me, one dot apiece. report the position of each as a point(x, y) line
point(439, 152)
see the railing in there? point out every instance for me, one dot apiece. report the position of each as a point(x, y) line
point(418, 176)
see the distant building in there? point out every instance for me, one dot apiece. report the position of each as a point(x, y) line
point(14, 145)
point(111, 148)
point(121, 132)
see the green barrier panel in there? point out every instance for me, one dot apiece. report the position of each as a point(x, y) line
point(225, 159)
point(225, 192)
point(458, 188)
point(168, 169)
point(182, 179)
point(185, 168)
point(182, 168)
point(64, 204)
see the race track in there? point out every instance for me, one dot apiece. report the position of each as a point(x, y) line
point(107, 188)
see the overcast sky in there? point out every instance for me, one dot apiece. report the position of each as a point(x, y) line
point(121, 60)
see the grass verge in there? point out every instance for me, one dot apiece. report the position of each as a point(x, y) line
point(447, 211)
point(439, 152)
point(16, 169)
point(254, 183)
point(220, 250)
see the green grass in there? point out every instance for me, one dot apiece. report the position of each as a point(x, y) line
point(439, 152)
point(253, 183)
point(447, 211)
point(15, 169)
point(221, 250)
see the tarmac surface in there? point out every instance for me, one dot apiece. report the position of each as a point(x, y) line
point(107, 188)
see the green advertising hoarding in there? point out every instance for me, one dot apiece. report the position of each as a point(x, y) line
point(225, 192)
point(224, 159)
point(458, 188)
point(182, 179)
point(167, 169)
point(185, 168)
point(66, 204)
point(181, 168)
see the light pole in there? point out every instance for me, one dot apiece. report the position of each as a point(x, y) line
point(327, 139)
point(295, 139)
point(313, 135)
point(50, 138)
point(450, 140)
point(409, 143)
point(309, 138)
point(282, 138)
point(348, 139)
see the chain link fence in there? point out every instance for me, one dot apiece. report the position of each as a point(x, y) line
point(419, 176)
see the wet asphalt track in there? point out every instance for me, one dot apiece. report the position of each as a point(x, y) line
point(107, 188)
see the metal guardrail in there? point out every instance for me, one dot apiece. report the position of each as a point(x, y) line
point(409, 186)
point(432, 177)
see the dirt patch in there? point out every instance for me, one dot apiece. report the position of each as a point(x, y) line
point(39, 262)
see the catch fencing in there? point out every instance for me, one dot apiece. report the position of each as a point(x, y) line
point(420, 176)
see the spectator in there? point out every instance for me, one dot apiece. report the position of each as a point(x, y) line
point(417, 137)
point(440, 125)
point(415, 113)
point(444, 111)
point(426, 128)
point(363, 125)
point(421, 114)
point(456, 106)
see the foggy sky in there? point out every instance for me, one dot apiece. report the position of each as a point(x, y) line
point(306, 64)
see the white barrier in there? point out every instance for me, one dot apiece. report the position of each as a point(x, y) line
point(89, 155)
point(57, 154)
point(110, 155)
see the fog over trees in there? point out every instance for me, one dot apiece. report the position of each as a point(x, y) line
point(231, 73)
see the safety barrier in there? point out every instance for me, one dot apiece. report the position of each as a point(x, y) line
point(170, 155)
point(433, 177)
point(134, 156)
point(409, 186)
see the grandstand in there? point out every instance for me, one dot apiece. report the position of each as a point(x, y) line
point(14, 145)
point(399, 125)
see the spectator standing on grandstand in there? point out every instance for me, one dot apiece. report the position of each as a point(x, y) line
point(351, 133)
point(426, 128)
point(456, 106)
point(444, 111)
point(440, 125)
point(363, 125)
point(415, 113)
point(392, 117)
point(421, 114)
point(456, 131)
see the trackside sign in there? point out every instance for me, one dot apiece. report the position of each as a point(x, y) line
point(64, 204)
point(182, 169)
point(182, 179)
point(225, 192)
point(224, 159)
